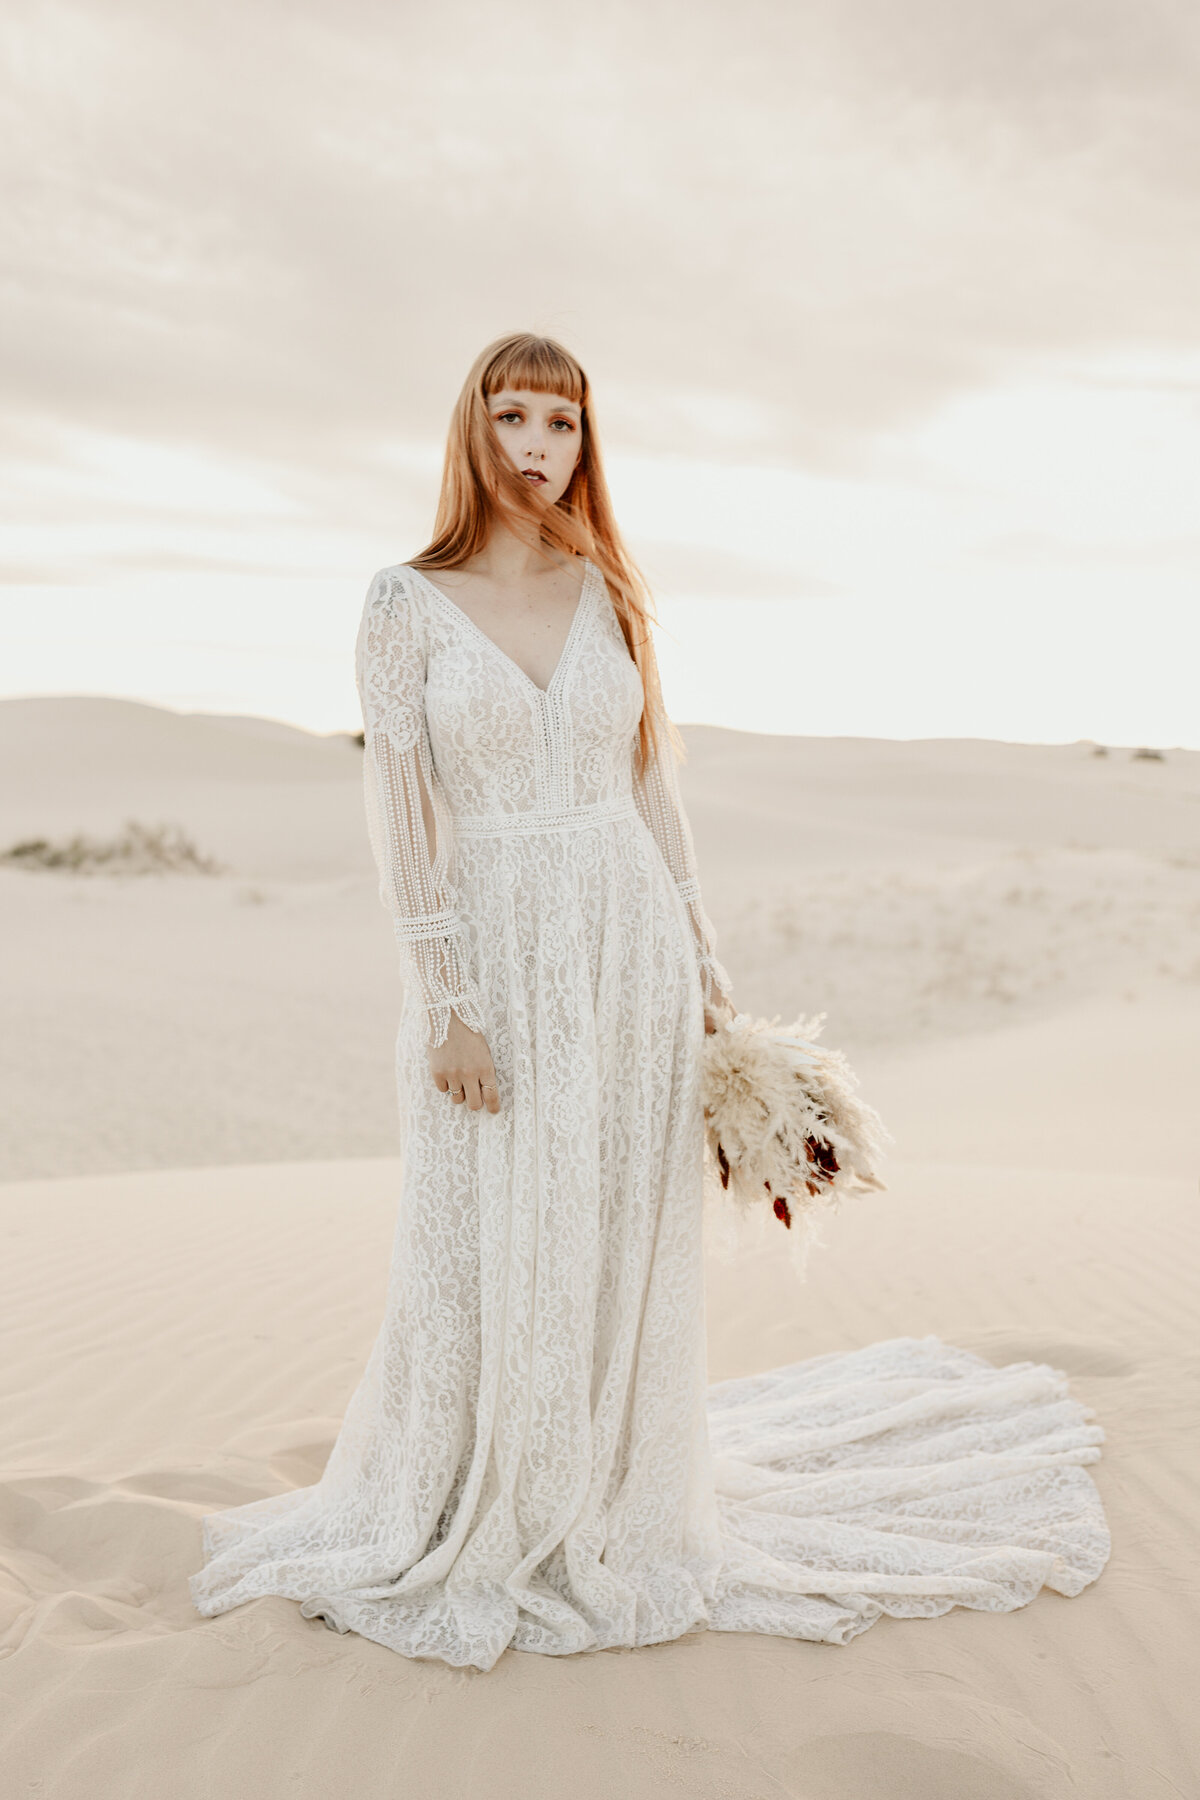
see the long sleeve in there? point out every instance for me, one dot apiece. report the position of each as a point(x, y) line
point(656, 791)
point(403, 798)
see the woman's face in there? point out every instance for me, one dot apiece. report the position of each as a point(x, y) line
point(541, 434)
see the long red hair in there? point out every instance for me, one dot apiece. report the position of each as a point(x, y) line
point(479, 483)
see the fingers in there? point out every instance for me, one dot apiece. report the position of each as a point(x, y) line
point(717, 1013)
point(481, 1092)
point(476, 1089)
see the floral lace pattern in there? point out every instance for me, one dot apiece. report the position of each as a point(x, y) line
point(532, 1456)
point(422, 770)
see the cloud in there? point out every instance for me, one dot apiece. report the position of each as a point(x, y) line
point(280, 233)
point(683, 569)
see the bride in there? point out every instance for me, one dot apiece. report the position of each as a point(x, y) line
point(532, 1457)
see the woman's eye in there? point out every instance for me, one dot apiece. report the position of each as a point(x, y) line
point(504, 417)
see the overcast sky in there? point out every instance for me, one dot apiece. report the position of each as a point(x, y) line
point(892, 310)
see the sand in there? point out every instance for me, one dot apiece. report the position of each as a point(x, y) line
point(197, 1214)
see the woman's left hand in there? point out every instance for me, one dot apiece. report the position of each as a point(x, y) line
point(716, 1012)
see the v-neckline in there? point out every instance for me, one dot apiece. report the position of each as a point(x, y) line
point(568, 642)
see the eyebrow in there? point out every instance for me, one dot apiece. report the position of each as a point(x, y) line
point(563, 405)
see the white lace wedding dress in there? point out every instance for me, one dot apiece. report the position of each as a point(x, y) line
point(532, 1456)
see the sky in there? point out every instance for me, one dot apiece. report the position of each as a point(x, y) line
point(891, 310)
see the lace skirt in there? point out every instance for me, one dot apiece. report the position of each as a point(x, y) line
point(532, 1457)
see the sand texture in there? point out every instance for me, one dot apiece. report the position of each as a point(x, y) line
point(200, 1186)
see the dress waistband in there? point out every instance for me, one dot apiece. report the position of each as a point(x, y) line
point(571, 818)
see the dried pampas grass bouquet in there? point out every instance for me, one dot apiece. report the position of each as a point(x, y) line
point(784, 1129)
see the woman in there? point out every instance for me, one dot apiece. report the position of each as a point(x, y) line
point(527, 1460)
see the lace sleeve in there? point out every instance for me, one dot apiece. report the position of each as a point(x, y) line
point(660, 803)
point(403, 801)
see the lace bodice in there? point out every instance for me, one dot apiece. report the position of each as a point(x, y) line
point(455, 731)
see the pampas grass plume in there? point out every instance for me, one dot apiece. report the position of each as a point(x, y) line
point(785, 1131)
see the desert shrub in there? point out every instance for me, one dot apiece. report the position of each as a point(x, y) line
point(137, 850)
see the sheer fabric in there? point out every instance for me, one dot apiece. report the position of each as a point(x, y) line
point(533, 1457)
point(403, 796)
point(656, 790)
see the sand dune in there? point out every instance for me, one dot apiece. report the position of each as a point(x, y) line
point(180, 1342)
point(270, 803)
point(1007, 938)
point(915, 892)
point(87, 763)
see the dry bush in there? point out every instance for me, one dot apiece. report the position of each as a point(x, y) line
point(137, 850)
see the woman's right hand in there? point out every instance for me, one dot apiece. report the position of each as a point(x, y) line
point(462, 1067)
